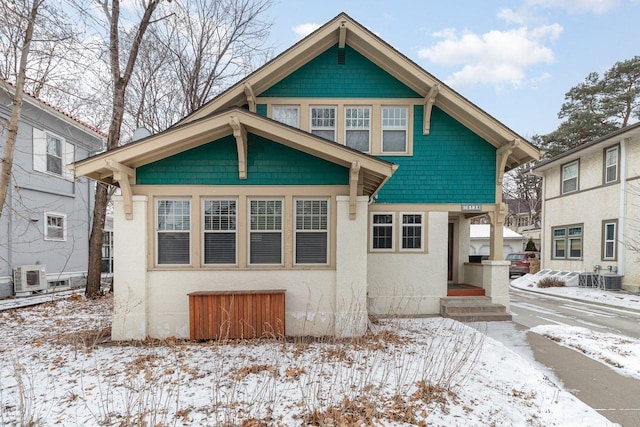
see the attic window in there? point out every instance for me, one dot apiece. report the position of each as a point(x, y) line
point(341, 56)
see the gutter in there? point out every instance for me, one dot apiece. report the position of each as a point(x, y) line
point(621, 253)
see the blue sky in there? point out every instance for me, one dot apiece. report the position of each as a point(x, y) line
point(515, 60)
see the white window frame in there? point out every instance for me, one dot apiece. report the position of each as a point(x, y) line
point(158, 231)
point(614, 165)
point(571, 238)
point(297, 230)
point(233, 231)
point(372, 227)
point(58, 215)
point(613, 242)
point(281, 230)
point(394, 128)
point(565, 179)
point(333, 128)
point(403, 226)
point(276, 108)
point(40, 153)
point(348, 128)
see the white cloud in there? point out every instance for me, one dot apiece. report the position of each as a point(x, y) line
point(304, 30)
point(577, 6)
point(494, 58)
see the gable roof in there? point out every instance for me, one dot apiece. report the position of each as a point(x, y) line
point(344, 29)
point(58, 112)
point(595, 145)
point(215, 126)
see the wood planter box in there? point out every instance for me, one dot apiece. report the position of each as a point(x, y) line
point(236, 314)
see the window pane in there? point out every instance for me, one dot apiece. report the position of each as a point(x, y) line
point(610, 231)
point(570, 185)
point(287, 115)
point(575, 248)
point(266, 248)
point(220, 248)
point(220, 215)
point(575, 231)
point(559, 248)
point(609, 250)
point(173, 248)
point(382, 237)
point(266, 214)
point(326, 134)
point(174, 215)
point(358, 139)
point(394, 141)
point(311, 248)
point(54, 164)
point(559, 232)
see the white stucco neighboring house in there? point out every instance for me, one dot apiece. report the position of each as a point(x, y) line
point(480, 240)
point(591, 207)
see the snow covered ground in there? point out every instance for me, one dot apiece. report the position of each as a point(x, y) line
point(57, 367)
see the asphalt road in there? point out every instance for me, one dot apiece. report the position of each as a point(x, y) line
point(531, 309)
point(612, 395)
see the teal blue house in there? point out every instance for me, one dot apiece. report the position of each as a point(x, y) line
point(340, 174)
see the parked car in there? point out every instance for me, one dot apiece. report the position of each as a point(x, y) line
point(520, 262)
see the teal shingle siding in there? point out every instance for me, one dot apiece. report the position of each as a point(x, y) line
point(261, 109)
point(323, 77)
point(450, 165)
point(216, 163)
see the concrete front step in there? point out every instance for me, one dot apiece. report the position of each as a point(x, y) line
point(473, 309)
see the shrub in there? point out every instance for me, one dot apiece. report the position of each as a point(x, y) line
point(551, 282)
point(531, 246)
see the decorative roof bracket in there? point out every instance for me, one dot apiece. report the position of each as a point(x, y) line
point(251, 97)
point(429, 100)
point(121, 174)
point(240, 134)
point(354, 179)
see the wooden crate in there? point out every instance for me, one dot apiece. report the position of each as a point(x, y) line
point(236, 314)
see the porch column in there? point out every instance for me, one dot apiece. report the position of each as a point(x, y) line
point(496, 238)
point(351, 268)
point(130, 270)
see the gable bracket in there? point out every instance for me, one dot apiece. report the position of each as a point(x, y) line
point(429, 100)
point(240, 134)
point(251, 97)
point(354, 180)
point(342, 39)
point(122, 174)
point(502, 155)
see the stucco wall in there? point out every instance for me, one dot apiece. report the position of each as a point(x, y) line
point(407, 283)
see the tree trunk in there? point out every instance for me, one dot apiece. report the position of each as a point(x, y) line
point(94, 268)
point(12, 130)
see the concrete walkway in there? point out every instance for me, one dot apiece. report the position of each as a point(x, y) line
point(614, 396)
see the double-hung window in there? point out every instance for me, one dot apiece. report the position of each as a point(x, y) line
point(323, 122)
point(220, 231)
point(311, 231)
point(287, 114)
point(265, 231)
point(394, 129)
point(567, 242)
point(570, 177)
point(173, 229)
point(55, 226)
point(611, 165)
point(382, 230)
point(54, 154)
point(358, 128)
point(609, 239)
point(412, 231)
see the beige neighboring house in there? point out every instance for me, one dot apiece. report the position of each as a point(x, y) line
point(340, 174)
point(591, 207)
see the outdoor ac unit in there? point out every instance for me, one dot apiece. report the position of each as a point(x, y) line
point(29, 278)
point(612, 282)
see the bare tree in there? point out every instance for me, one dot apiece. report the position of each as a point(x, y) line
point(122, 64)
point(199, 50)
point(523, 193)
point(22, 52)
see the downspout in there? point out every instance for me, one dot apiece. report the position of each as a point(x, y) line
point(623, 202)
